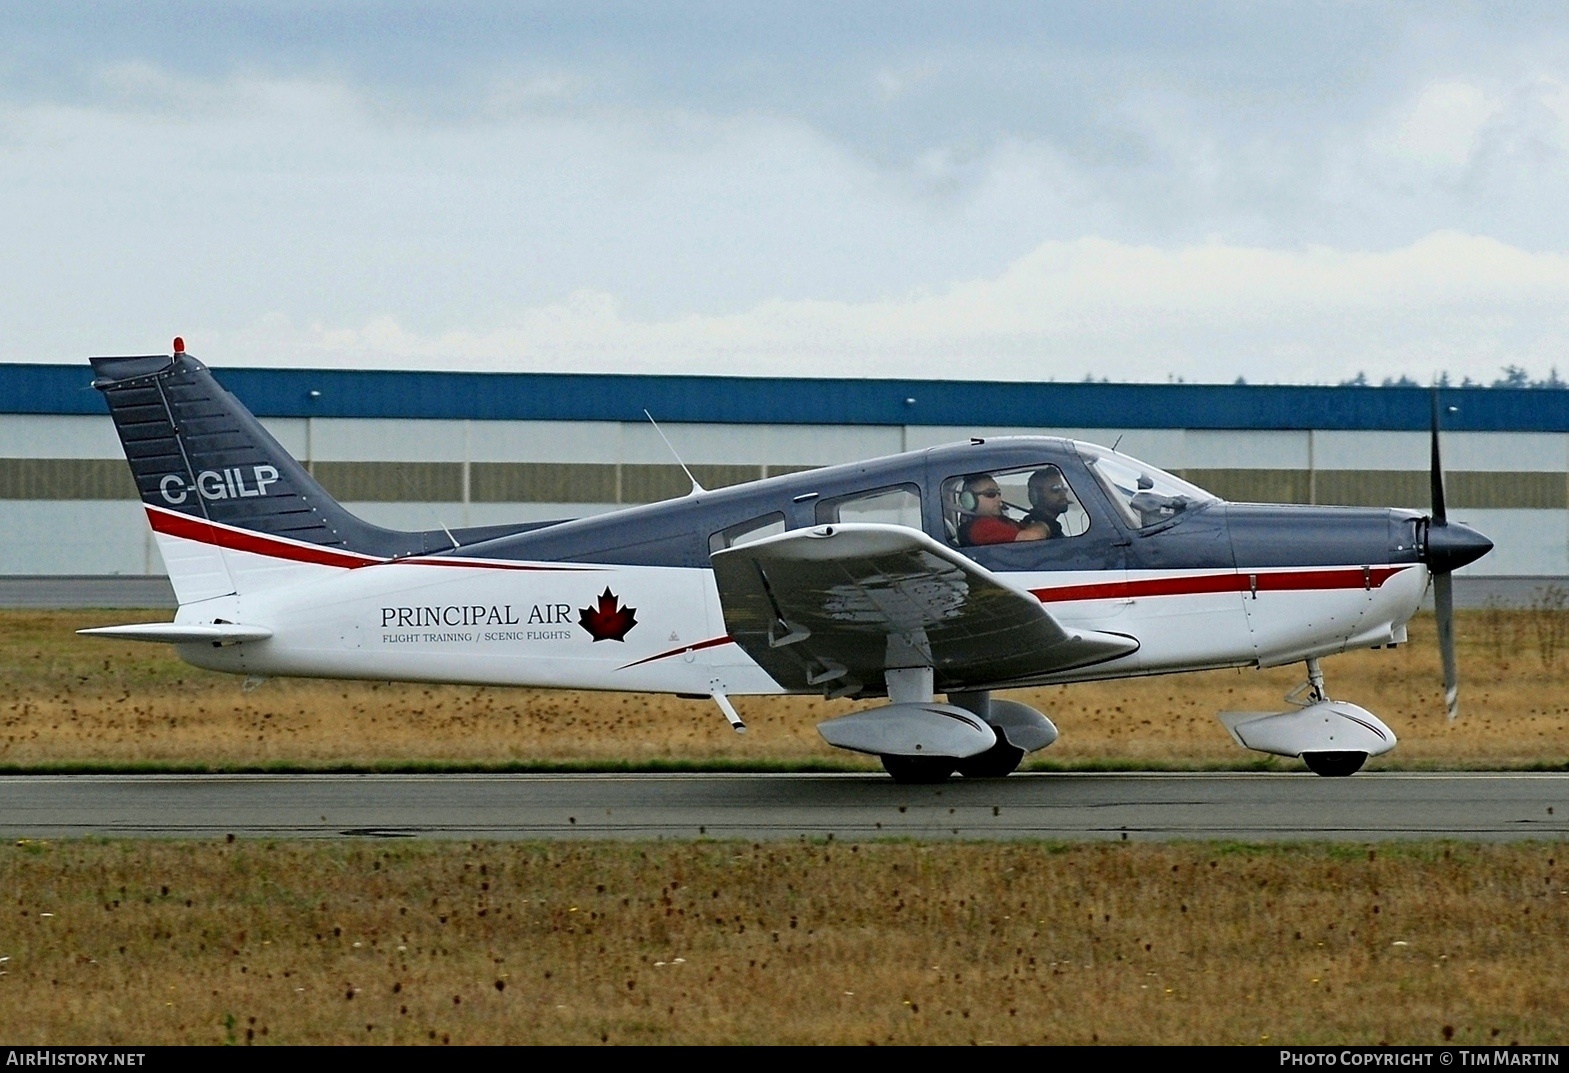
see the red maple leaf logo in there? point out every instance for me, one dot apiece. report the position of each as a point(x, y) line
point(607, 622)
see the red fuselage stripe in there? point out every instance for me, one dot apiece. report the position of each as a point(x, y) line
point(710, 643)
point(184, 526)
point(1351, 577)
point(492, 564)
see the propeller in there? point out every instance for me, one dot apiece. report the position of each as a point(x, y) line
point(1443, 581)
point(1449, 547)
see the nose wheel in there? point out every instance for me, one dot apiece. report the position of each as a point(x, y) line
point(1334, 738)
point(1334, 765)
point(1331, 765)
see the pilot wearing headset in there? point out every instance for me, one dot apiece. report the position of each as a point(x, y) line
point(1049, 499)
point(986, 521)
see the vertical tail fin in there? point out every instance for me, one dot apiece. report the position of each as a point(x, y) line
point(233, 512)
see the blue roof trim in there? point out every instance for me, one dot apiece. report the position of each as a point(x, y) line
point(66, 389)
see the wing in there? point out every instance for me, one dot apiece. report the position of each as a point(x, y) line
point(834, 606)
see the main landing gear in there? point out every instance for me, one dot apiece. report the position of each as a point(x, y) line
point(1000, 761)
point(918, 770)
point(921, 740)
point(1017, 728)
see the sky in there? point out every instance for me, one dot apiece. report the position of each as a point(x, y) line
point(1284, 192)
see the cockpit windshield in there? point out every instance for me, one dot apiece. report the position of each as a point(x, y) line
point(1145, 495)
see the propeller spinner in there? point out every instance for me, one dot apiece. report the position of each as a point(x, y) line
point(1449, 546)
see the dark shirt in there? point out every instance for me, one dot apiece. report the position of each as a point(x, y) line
point(1053, 523)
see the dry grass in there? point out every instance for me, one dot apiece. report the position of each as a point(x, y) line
point(70, 701)
point(721, 943)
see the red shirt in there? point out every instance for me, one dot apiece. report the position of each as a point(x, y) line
point(986, 529)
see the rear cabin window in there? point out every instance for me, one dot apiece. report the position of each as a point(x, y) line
point(745, 532)
point(1005, 507)
point(899, 504)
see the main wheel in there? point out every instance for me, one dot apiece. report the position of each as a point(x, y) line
point(919, 770)
point(1000, 760)
point(1334, 765)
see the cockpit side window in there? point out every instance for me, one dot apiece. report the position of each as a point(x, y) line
point(899, 504)
point(1143, 495)
point(1032, 503)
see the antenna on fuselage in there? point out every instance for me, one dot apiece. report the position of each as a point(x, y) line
point(444, 529)
point(695, 486)
point(409, 490)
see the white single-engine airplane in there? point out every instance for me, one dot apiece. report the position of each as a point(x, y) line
point(959, 570)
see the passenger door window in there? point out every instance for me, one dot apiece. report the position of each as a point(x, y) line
point(898, 505)
point(745, 532)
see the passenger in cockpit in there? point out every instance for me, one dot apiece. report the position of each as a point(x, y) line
point(986, 520)
point(1049, 499)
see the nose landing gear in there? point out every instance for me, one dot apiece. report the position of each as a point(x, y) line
point(1334, 765)
point(1333, 738)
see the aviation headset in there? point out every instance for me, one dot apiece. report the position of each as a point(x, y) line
point(1038, 482)
point(967, 500)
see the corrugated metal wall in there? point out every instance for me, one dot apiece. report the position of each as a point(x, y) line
point(402, 450)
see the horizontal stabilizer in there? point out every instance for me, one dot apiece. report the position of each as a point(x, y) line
point(182, 633)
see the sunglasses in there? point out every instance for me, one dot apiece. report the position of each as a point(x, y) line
point(993, 494)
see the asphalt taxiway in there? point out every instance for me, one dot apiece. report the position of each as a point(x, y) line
point(1047, 806)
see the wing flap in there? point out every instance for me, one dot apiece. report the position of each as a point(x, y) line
point(834, 606)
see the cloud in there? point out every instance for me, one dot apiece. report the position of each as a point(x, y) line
point(1297, 194)
point(1443, 124)
point(1501, 140)
point(1449, 301)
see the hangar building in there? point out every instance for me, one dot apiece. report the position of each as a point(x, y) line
point(414, 449)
